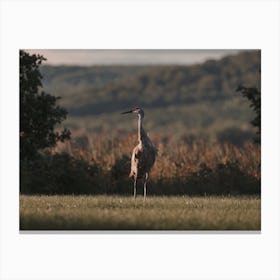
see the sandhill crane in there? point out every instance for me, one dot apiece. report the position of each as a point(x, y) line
point(143, 155)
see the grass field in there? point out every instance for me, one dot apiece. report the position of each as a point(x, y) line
point(125, 213)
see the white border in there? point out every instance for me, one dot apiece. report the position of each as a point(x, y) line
point(153, 24)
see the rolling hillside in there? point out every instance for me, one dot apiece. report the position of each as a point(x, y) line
point(197, 99)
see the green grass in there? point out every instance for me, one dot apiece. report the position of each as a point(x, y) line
point(125, 213)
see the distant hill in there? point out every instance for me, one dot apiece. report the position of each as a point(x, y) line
point(195, 98)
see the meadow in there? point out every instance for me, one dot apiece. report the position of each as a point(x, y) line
point(195, 184)
point(101, 212)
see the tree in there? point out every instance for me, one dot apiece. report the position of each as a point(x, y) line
point(39, 113)
point(254, 96)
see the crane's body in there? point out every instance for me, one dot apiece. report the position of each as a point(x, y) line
point(143, 155)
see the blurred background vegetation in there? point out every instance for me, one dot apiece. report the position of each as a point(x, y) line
point(194, 100)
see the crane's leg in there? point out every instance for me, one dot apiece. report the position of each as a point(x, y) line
point(145, 185)
point(135, 184)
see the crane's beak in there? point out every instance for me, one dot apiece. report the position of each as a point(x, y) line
point(127, 112)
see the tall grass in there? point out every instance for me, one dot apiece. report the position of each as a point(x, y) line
point(175, 157)
point(101, 164)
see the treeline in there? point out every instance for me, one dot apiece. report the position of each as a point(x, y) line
point(101, 89)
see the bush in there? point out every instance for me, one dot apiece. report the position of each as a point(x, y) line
point(224, 179)
point(58, 174)
point(119, 175)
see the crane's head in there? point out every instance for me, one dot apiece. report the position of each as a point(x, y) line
point(136, 110)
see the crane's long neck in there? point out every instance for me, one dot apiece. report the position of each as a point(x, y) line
point(141, 132)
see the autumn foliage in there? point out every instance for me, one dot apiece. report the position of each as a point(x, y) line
point(101, 164)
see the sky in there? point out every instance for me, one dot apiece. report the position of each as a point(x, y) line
point(128, 57)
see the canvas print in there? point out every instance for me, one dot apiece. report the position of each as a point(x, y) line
point(146, 140)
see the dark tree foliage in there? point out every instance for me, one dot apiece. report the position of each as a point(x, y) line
point(39, 112)
point(254, 96)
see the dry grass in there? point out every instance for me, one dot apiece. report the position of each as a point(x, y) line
point(100, 164)
point(176, 157)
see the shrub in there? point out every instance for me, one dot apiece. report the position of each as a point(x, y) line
point(225, 178)
point(119, 173)
point(58, 174)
